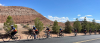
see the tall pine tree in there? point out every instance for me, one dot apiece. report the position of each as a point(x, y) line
point(94, 24)
point(68, 27)
point(55, 27)
point(85, 25)
point(77, 25)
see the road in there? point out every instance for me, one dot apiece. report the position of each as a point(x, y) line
point(67, 39)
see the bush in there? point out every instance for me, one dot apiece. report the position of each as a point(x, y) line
point(22, 24)
point(38, 24)
point(26, 26)
point(30, 31)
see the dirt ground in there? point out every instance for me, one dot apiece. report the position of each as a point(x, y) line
point(23, 32)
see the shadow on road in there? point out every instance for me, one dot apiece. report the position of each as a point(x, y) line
point(33, 40)
point(72, 36)
point(7, 41)
point(3, 36)
point(85, 35)
point(57, 37)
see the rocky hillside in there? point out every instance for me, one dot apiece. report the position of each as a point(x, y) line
point(22, 15)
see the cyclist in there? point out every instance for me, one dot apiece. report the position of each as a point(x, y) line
point(75, 30)
point(60, 31)
point(90, 31)
point(99, 31)
point(48, 30)
point(13, 31)
point(95, 31)
point(85, 31)
point(35, 31)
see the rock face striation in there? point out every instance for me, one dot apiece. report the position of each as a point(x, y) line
point(23, 15)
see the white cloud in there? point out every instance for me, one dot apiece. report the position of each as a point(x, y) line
point(78, 15)
point(59, 19)
point(88, 15)
point(98, 21)
point(64, 19)
point(88, 19)
point(1, 4)
point(74, 18)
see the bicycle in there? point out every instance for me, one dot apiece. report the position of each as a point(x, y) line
point(90, 32)
point(60, 34)
point(31, 36)
point(47, 35)
point(8, 37)
point(95, 32)
point(99, 32)
point(75, 33)
point(85, 32)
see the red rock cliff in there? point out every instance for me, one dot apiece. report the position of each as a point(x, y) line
point(22, 15)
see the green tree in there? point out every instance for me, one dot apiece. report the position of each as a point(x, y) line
point(90, 25)
point(55, 27)
point(94, 24)
point(38, 24)
point(77, 25)
point(8, 23)
point(68, 27)
point(85, 25)
point(98, 26)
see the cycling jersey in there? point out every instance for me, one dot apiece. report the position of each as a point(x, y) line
point(85, 30)
point(89, 30)
point(48, 29)
point(60, 29)
point(35, 29)
point(14, 30)
point(75, 30)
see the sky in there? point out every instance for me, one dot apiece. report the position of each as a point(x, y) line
point(61, 10)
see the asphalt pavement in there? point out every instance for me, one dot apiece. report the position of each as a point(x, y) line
point(67, 39)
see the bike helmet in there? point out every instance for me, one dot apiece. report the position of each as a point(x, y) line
point(33, 26)
point(46, 27)
point(11, 25)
